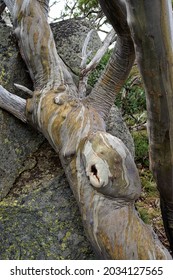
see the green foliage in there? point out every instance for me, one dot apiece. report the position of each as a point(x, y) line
point(131, 99)
point(88, 9)
point(81, 8)
point(141, 147)
point(94, 76)
point(86, 5)
point(148, 204)
point(149, 186)
point(143, 212)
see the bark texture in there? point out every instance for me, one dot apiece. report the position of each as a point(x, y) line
point(100, 169)
point(151, 28)
point(121, 61)
point(39, 217)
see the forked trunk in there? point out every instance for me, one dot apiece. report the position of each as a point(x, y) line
point(99, 168)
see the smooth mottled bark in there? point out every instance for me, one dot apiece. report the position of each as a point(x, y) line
point(121, 61)
point(100, 169)
point(152, 30)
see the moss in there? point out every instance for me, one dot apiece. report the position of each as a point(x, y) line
point(2, 76)
point(148, 204)
point(18, 151)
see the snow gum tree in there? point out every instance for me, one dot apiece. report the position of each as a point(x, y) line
point(100, 169)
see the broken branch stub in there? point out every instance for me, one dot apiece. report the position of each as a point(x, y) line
point(13, 104)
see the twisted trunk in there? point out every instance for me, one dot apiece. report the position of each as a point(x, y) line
point(99, 168)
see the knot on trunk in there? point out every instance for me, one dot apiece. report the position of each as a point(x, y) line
point(110, 168)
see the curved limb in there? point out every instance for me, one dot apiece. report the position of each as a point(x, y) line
point(103, 95)
point(46, 68)
point(38, 49)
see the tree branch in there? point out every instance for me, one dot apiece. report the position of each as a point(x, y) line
point(43, 3)
point(38, 50)
point(86, 69)
point(102, 96)
point(45, 66)
point(83, 78)
point(13, 104)
point(25, 89)
point(110, 38)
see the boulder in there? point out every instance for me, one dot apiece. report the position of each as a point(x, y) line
point(69, 38)
point(39, 218)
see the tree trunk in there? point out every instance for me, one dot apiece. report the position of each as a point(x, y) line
point(152, 35)
point(99, 168)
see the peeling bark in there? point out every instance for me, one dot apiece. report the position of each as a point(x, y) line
point(100, 169)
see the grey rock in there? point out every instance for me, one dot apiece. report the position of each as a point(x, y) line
point(69, 38)
point(40, 219)
point(17, 140)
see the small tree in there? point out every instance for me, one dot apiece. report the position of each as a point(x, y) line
point(98, 166)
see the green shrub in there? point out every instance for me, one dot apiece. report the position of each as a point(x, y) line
point(131, 99)
point(141, 147)
point(144, 215)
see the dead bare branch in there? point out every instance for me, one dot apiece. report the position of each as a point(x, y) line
point(24, 89)
point(13, 104)
point(87, 69)
point(110, 38)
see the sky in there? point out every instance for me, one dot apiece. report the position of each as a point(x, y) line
point(55, 10)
